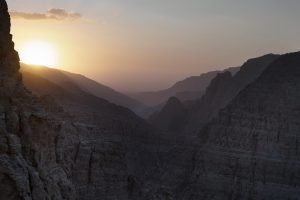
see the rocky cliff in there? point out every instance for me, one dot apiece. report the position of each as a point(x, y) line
point(251, 151)
point(89, 152)
point(222, 89)
point(79, 146)
point(29, 157)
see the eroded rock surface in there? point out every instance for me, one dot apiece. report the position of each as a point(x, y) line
point(29, 166)
point(251, 151)
point(222, 90)
point(44, 153)
point(77, 146)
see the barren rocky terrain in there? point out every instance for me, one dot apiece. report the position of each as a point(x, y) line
point(66, 143)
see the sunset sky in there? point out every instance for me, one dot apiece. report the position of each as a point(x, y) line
point(136, 45)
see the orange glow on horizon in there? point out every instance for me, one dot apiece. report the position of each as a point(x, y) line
point(39, 53)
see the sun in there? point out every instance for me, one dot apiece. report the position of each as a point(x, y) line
point(39, 53)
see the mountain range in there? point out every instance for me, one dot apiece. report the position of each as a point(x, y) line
point(250, 151)
point(60, 139)
point(70, 81)
point(190, 88)
point(221, 90)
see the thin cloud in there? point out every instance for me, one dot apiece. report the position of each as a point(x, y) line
point(51, 14)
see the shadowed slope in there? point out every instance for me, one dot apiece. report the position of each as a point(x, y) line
point(172, 116)
point(63, 79)
point(188, 89)
point(251, 151)
point(223, 89)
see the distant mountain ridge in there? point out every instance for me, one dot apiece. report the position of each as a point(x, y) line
point(65, 79)
point(66, 143)
point(188, 89)
point(221, 90)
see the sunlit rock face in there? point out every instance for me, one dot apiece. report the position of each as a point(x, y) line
point(251, 151)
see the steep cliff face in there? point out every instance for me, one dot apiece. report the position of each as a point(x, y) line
point(46, 153)
point(251, 151)
point(222, 90)
point(29, 161)
point(9, 58)
point(97, 150)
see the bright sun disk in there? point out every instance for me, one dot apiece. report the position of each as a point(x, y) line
point(38, 53)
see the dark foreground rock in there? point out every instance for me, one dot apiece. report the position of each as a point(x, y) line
point(29, 158)
point(251, 151)
point(47, 153)
point(74, 145)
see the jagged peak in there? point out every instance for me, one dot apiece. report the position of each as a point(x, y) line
point(4, 18)
point(10, 78)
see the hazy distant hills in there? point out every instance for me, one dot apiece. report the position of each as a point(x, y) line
point(64, 80)
point(82, 105)
point(188, 89)
point(221, 90)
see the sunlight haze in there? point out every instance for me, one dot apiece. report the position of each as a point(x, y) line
point(39, 53)
point(156, 42)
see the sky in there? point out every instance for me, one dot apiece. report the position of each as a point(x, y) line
point(141, 45)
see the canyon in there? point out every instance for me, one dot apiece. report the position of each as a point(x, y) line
point(239, 140)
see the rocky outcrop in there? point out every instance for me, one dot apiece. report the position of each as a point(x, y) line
point(29, 132)
point(251, 151)
point(9, 58)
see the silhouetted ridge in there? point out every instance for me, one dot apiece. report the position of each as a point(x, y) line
point(76, 145)
point(223, 89)
point(5, 18)
point(8, 56)
point(86, 150)
point(252, 69)
point(288, 66)
point(190, 88)
point(66, 80)
point(251, 150)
